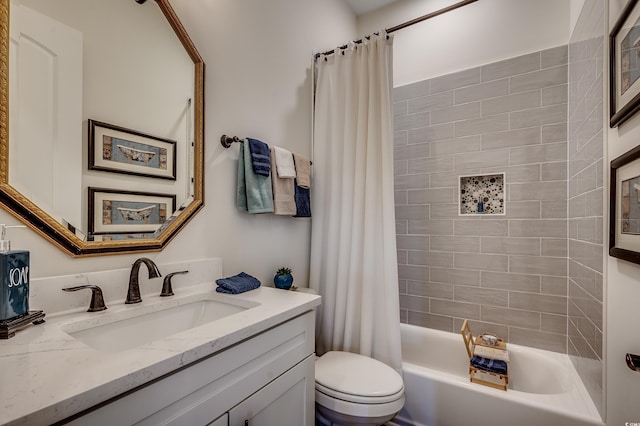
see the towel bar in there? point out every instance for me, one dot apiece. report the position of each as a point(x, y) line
point(227, 141)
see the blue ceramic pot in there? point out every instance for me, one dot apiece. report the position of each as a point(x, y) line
point(283, 281)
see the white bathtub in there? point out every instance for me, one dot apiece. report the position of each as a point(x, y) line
point(544, 388)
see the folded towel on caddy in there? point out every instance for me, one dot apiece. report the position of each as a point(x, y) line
point(491, 365)
point(237, 284)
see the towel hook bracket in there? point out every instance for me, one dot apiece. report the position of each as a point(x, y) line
point(633, 362)
point(227, 141)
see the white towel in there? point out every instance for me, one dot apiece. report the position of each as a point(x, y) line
point(284, 163)
point(283, 191)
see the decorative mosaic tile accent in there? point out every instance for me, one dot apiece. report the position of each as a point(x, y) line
point(482, 194)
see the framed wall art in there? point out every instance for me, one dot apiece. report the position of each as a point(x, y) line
point(624, 62)
point(119, 150)
point(624, 222)
point(112, 211)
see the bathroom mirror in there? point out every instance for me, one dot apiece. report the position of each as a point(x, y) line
point(77, 76)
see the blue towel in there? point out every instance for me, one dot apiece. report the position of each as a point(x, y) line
point(254, 192)
point(303, 201)
point(260, 157)
point(237, 284)
point(492, 365)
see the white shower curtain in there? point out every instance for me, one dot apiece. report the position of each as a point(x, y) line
point(353, 243)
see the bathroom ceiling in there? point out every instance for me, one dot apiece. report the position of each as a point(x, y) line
point(361, 7)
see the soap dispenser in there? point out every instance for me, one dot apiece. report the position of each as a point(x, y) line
point(14, 278)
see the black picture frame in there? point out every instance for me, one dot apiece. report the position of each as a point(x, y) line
point(624, 91)
point(103, 219)
point(624, 207)
point(137, 153)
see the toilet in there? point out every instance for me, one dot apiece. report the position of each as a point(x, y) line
point(353, 389)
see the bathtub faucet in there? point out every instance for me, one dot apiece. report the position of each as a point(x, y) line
point(133, 294)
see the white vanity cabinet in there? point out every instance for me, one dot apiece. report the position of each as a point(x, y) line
point(266, 379)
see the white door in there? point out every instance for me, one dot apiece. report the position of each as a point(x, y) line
point(45, 103)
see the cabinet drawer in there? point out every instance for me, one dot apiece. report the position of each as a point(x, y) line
point(205, 390)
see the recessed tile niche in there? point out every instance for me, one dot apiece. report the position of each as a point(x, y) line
point(481, 194)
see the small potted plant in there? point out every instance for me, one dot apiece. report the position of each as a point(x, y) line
point(283, 278)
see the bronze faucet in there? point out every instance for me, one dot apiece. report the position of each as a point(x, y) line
point(133, 294)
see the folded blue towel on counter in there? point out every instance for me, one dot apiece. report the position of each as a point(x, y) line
point(260, 157)
point(237, 284)
point(302, 198)
point(492, 365)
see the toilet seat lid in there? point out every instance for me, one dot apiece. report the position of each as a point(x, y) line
point(354, 374)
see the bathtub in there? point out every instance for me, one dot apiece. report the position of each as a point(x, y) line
point(544, 388)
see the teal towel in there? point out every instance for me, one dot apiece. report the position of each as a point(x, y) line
point(254, 193)
point(241, 189)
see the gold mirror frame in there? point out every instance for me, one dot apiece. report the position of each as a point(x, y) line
point(40, 221)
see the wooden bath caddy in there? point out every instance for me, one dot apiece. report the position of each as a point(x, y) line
point(476, 374)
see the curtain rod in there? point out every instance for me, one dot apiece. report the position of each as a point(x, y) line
point(409, 23)
point(430, 15)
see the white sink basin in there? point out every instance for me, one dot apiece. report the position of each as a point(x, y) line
point(127, 329)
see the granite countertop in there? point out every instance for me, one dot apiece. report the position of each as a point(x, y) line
point(47, 375)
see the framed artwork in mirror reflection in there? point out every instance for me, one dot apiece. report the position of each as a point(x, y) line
point(624, 62)
point(127, 214)
point(118, 150)
point(624, 223)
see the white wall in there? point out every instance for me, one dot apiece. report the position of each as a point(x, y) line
point(575, 8)
point(622, 294)
point(258, 58)
point(480, 33)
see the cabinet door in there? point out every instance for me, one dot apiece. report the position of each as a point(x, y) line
point(288, 400)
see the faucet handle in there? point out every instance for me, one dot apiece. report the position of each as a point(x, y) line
point(166, 284)
point(97, 300)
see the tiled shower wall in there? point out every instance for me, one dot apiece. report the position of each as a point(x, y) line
point(506, 274)
point(586, 146)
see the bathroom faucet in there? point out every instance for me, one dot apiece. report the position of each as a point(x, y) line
point(133, 294)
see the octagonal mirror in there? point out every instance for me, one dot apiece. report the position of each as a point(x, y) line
point(101, 122)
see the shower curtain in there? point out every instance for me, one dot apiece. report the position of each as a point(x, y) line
point(353, 242)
